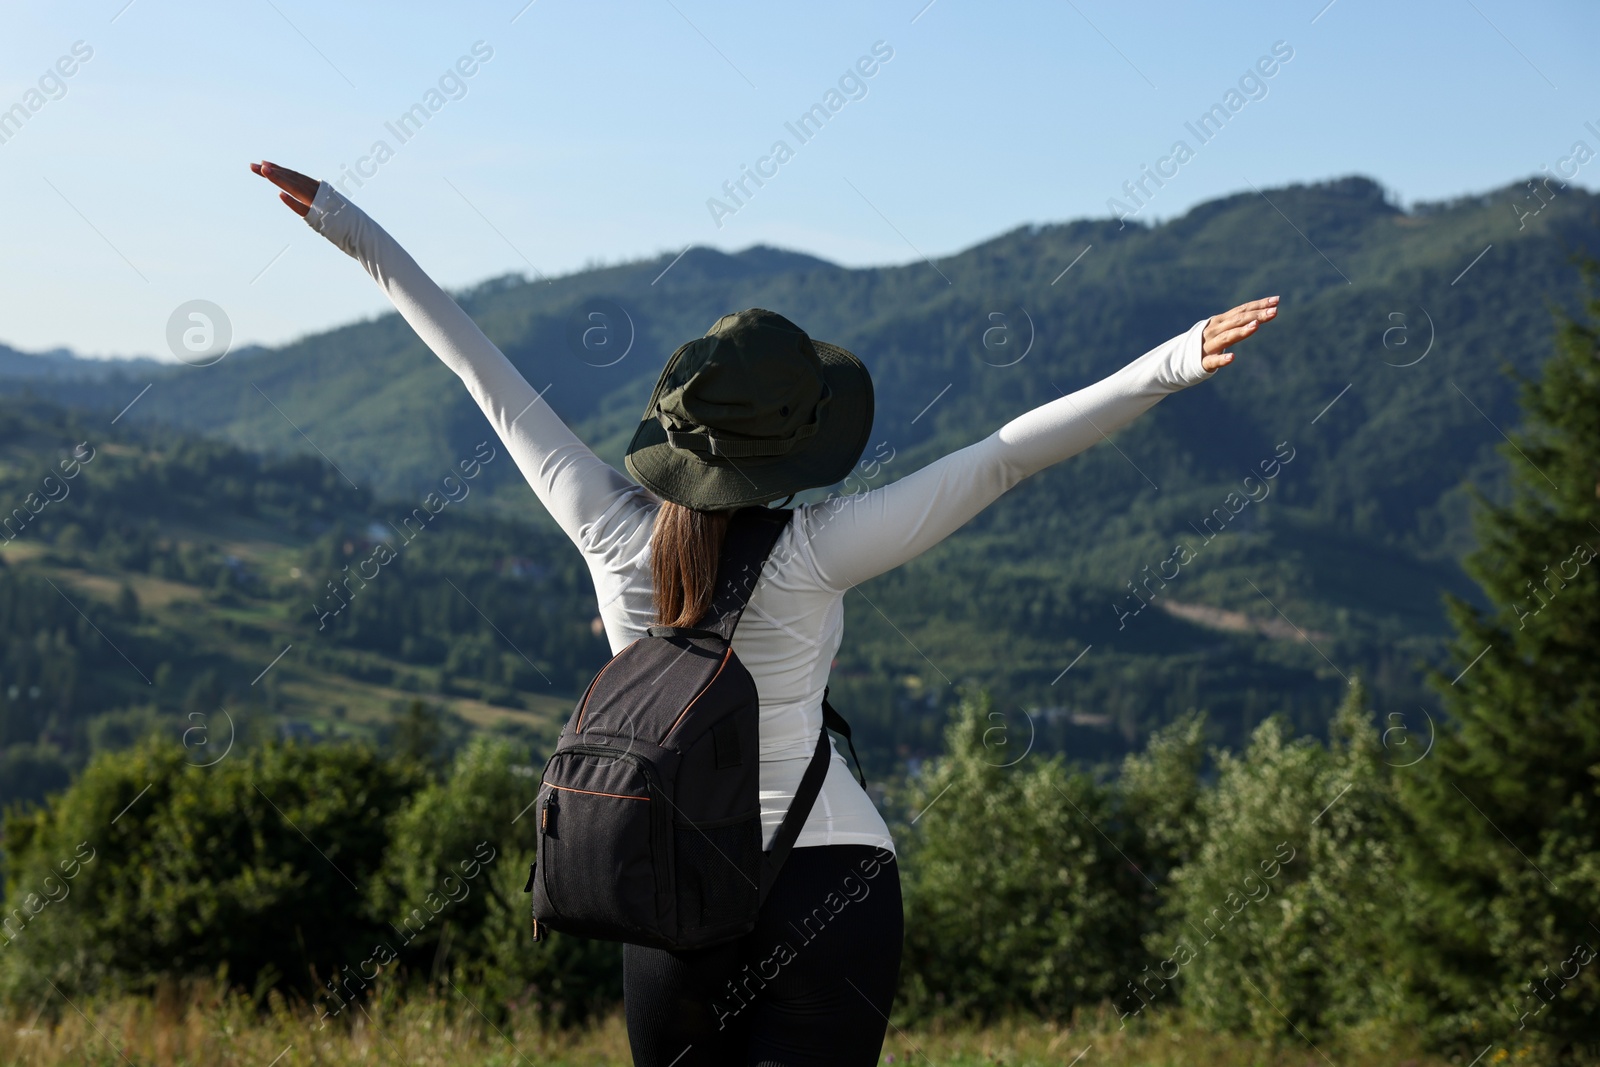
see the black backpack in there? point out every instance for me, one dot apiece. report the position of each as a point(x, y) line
point(649, 810)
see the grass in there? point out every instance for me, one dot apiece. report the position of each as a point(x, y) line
point(177, 1028)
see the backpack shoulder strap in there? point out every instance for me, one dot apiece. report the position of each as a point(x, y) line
point(832, 720)
point(752, 532)
point(806, 795)
point(793, 819)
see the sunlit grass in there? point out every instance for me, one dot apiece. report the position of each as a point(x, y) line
point(199, 1027)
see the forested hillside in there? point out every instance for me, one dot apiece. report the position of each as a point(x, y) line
point(160, 583)
point(1243, 548)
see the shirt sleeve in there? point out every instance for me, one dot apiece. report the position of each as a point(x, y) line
point(858, 536)
point(580, 490)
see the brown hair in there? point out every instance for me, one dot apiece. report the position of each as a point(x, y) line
point(685, 544)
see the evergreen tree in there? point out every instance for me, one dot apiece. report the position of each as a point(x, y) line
point(1505, 850)
point(127, 603)
point(418, 735)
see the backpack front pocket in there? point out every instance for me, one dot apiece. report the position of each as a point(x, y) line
point(718, 874)
point(602, 857)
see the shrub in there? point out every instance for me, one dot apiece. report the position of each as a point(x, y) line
point(452, 889)
point(1019, 894)
point(1280, 920)
point(257, 867)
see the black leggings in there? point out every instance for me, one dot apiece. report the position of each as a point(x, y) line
point(811, 984)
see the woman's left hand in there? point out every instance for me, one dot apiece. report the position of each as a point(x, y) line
point(299, 190)
point(1231, 327)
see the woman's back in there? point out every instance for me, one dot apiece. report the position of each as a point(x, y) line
point(786, 638)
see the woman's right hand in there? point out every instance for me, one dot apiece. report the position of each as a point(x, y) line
point(1231, 327)
point(298, 190)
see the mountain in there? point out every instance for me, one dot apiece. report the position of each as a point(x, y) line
point(62, 364)
point(1379, 392)
point(1345, 259)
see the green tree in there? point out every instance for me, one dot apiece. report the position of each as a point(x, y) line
point(205, 693)
point(1020, 895)
point(1506, 848)
point(30, 772)
point(1160, 792)
point(127, 603)
point(148, 866)
point(567, 979)
point(419, 735)
point(452, 889)
point(1279, 921)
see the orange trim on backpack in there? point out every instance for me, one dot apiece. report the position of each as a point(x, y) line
point(591, 792)
point(725, 657)
point(577, 726)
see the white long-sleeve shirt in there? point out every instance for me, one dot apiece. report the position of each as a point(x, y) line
point(794, 621)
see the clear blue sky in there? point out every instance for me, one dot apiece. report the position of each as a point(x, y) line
point(598, 131)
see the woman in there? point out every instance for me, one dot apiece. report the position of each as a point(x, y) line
point(814, 982)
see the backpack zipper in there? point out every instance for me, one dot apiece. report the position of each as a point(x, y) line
point(528, 888)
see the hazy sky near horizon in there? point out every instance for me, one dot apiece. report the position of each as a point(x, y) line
point(598, 132)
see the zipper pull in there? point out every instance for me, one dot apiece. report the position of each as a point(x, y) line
point(547, 817)
point(528, 889)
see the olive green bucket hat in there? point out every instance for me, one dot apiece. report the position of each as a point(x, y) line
point(753, 411)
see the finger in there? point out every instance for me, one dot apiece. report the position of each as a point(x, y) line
point(297, 184)
point(276, 175)
point(293, 182)
point(1216, 361)
point(1253, 305)
point(1226, 338)
point(294, 205)
point(1243, 314)
point(1219, 334)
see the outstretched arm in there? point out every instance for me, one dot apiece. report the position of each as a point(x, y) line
point(859, 536)
point(577, 487)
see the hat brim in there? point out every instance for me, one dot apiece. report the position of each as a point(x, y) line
point(711, 483)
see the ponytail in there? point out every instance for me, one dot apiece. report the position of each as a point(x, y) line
point(685, 545)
